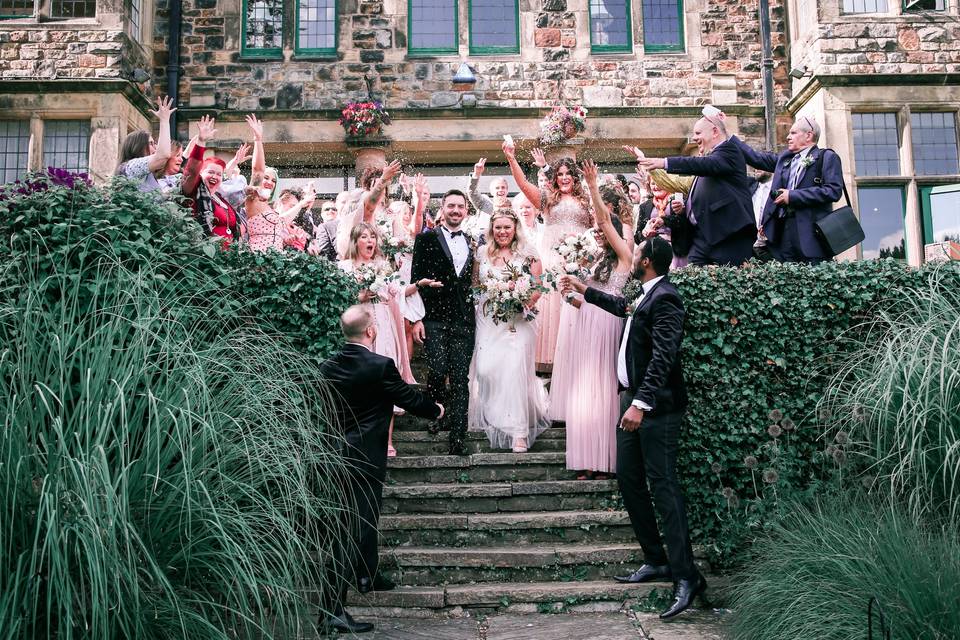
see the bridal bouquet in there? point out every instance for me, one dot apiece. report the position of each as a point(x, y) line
point(579, 252)
point(509, 293)
point(562, 124)
point(375, 277)
point(391, 245)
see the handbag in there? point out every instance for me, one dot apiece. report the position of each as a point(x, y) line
point(840, 229)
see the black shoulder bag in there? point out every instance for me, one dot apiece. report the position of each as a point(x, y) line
point(840, 229)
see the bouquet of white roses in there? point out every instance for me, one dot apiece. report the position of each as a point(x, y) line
point(508, 294)
point(579, 252)
point(375, 276)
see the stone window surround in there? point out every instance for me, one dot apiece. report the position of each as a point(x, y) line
point(907, 180)
point(35, 148)
point(830, 12)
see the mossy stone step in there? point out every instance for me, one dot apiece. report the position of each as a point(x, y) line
point(424, 443)
point(549, 495)
point(479, 467)
point(496, 529)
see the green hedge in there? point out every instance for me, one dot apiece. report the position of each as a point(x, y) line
point(760, 346)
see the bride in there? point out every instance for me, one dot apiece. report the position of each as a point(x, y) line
point(507, 400)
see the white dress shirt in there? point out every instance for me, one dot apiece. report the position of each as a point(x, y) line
point(459, 249)
point(622, 377)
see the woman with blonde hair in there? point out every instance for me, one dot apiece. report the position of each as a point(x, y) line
point(507, 399)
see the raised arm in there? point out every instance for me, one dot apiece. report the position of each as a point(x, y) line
point(372, 197)
point(725, 160)
point(421, 196)
point(671, 183)
point(479, 201)
point(602, 214)
point(528, 189)
point(259, 156)
point(158, 159)
point(206, 130)
point(763, 160)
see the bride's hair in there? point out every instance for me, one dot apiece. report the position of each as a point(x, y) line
point(553, 188)
point(519, 246)
point(353, 252)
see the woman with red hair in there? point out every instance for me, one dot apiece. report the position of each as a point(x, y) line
point(201, 177)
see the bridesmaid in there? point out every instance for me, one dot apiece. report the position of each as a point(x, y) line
point(566, 211)
point(266, 228)
point(364, 249)
point(585, 374)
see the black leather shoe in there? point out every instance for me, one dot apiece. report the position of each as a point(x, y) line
point(459, 449)
point(646, 573)
point(379, 583)
point(343, 622)
point(684, 594)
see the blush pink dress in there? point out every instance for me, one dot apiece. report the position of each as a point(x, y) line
point(583, 388)
point(565, 218)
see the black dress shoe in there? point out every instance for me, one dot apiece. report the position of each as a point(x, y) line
point(684, 594)
point(342, 622)
point(646, 573)
point(379, 583)
point(459, 449)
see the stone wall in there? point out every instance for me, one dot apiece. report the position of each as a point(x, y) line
point(721, 64)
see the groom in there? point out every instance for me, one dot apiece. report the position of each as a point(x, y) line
point(445, 254)
point(653, 398)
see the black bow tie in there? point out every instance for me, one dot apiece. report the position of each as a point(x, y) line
point(454, 234)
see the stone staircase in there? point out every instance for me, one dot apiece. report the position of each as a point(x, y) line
point(498, 531)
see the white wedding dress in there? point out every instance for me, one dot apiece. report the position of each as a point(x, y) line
point(507, 400)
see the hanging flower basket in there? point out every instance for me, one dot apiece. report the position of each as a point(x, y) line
point(364, 119)
point(562, 124)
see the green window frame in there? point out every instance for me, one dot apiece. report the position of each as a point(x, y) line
point(317, 51)
point(16, 8)
point(597, 47)
point(651, 12)
point(481, 49)
point(248, 51)
point(412, 49)
point(926, 206)
point(909, 6)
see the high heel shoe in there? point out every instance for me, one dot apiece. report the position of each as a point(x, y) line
point(391, 452)
point(520, 445)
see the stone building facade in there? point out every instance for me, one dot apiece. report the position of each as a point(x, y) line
point(77, 75)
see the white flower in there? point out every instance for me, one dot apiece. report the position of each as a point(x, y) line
point(571, 241)
point(571, 267)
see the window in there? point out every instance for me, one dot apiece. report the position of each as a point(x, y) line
point(66, 144)
point(881, 216)
point(934, 143)
point(14, 145)
point(941, 213)
point(924, 5)
point(662, 25)
point(317, 26)
point(876, 144)
point(610, 25)
point(864, 6)
point(16, 8)
point(73, 9)
point(136, 17)
point(494, 26)
point(432, 26)
point(262, 28)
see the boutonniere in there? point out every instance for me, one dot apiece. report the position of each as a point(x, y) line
point(806, 162)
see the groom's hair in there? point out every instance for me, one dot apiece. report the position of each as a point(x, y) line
point(660, 253)
point(355, 321)
point(452, 192)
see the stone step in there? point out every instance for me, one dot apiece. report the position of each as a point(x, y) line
point(409, 422)
point(550, 495)
point(424, 443)
point(423, 566)
point(479, 467)
point(495, 529)
point(439, 600)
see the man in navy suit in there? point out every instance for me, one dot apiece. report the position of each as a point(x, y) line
point(807, 180)
point(719, 207)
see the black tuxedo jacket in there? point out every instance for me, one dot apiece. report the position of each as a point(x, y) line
point(653, 352)
point(452, 304)
point(365, 388)
point(720, 196)
point(811, 200)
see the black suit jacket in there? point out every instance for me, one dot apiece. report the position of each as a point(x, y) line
point(653, 352)
point(811, 200)
point(720, 197)
point(452, 304)
point(365, 388)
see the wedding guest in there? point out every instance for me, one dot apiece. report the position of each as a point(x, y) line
point(201, 178)
point(482, 205)
point(364, 260)
point(143, 159)
point(666, 219)
point(507, 399)
point(266, 228)
point(566, 211)
point(444, 255)
point(406, 221)
point(652, 403)
point(530, 218)
point(365, 389)
point(583, 389)
point(807, 180)
point(718, 208)
point(328, 211)
point(365, 204)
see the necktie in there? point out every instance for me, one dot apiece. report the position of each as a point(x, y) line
point(795, 172)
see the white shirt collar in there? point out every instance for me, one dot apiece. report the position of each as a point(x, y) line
point(650, 284)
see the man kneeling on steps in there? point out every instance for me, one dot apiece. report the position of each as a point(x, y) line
point(365, 387)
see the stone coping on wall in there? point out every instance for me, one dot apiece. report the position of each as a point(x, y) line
point(130, 90)
point(814, 84)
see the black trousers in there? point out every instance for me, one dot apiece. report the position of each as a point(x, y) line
point(449, 350)
point(732, 251)
point(787, 248)
point(649, 456)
